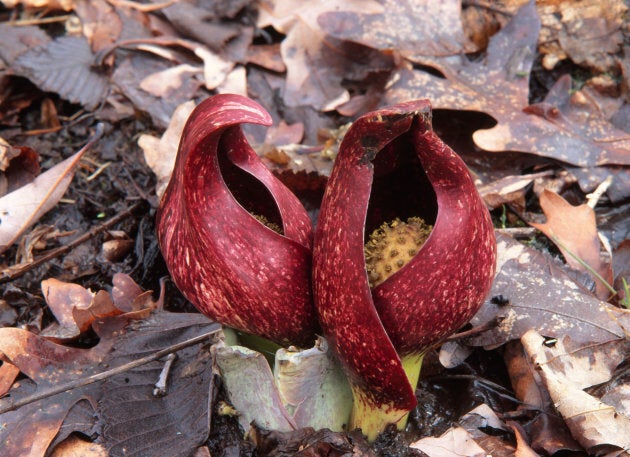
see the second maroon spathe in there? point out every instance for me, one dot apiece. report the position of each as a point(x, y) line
point(391, 166)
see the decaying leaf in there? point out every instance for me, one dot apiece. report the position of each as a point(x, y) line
point(65, 66)
point(398, 27)
point(135, 420)
point(574, 230)
point(598, 427)
point(23, 207)
point(549, 434)
point(566, 126)
point(531, 291)
point(183, 421)
point(589, 33)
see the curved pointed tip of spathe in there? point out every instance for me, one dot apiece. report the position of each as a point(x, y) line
point(229, 109)
point(233, 268)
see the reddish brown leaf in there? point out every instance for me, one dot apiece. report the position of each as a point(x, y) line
point(29, 430)
point(565, 127)
point(101, 25)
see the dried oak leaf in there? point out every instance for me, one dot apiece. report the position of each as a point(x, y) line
point(76, 308)
point(574, 230)
point(565, 126)
point(535, 292)
point(412, 27)
point(65, 66)
point(549, 433)
point(598, 427)
point(180, 417)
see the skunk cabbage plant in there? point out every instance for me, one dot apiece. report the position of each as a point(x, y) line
point(236, 241)
point(404, 254)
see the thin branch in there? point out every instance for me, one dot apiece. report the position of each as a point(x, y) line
point(15, 271)
point(9, 405)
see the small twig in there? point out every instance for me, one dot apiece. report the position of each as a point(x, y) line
point(593, 197)
point(517, 232)
point(9, 405)
point(160, 386)
point(475, 330)
point(39, 20)
point(16, 271)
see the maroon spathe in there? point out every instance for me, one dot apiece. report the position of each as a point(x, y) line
point(229, 265)
point(440, 288)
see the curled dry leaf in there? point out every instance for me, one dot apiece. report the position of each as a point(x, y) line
point(549, 434)
point(75, 308)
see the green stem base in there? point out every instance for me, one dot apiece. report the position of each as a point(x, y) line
point(371, 418)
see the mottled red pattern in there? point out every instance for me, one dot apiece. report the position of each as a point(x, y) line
point(434, 294)
point(231, 267)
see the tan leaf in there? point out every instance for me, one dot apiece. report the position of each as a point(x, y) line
point(592, 423)
point(159, 153)
point(23, 207)
point(455, 442)
point(574, 230)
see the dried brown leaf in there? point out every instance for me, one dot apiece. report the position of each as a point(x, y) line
point(101, 24)
point(548, 432)
point(589, 33)
point(455, 442)
point(159, 153)
point(398, 27)
point(181, 416)
point(541, 295)
point(75, 308)
point(567, 126)
point(65, 66)
point(23, 207)
point(574, 230)
point(594, 424)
